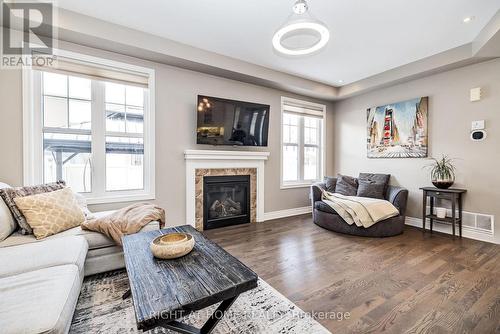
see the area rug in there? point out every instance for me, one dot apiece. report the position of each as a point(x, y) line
point(100, 309)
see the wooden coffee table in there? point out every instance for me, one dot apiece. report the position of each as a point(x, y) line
point(166, 290)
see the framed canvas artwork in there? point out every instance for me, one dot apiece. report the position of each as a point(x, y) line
point(398, 130)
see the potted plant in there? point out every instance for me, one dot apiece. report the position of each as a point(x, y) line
point(442, 172)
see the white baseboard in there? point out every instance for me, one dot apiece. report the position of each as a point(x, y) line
point(286, 213)
point(467, 232)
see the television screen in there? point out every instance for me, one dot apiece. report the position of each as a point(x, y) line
point(229, 122)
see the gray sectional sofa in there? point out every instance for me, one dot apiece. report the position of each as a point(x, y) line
point(103, 255)
point(326, 217)
point(40, 281)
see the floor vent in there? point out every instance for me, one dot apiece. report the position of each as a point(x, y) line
point(477, 222)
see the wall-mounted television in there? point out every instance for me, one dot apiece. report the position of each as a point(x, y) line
point(230, 122)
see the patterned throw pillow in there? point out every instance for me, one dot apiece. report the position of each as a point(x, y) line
point(8, 195)
point(51, 213)
point(346, 185)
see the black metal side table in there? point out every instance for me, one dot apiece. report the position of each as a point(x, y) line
point(452, 194)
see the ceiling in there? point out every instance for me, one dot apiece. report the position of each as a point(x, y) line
point(367, 37)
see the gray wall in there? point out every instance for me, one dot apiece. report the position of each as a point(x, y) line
point(11, 127)
point(450, 117)
point(176, 91)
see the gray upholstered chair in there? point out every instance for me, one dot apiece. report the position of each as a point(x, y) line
point(326, 217)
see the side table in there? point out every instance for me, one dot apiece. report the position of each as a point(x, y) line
point(452, 194)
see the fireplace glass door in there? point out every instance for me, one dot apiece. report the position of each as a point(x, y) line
point(226, 200)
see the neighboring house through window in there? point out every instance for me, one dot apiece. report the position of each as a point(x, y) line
point(90, 122)
point(302, 154)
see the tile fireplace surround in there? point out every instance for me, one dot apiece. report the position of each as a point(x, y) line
point(200, 163)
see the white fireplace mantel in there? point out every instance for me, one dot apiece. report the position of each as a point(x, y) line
point(224, 155)
point(208, 159)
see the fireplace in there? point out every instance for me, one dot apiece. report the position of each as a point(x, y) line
point(226, 200)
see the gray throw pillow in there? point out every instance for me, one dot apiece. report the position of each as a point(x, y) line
point(346, 185)
point(370, 189)
point(8, 195)
point(376, 178)
point(330, 183)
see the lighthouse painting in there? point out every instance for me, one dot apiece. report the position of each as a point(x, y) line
point(398, 130)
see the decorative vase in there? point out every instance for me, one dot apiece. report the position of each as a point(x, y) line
point(443, 172)
point(443, 183)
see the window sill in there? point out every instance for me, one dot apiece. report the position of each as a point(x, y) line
point(297, 185)
point(119, 198)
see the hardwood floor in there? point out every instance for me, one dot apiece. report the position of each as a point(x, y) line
point(412, 283)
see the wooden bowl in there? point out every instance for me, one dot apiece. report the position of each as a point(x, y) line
point(172, 245)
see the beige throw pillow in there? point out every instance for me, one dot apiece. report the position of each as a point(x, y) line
point(51, 213)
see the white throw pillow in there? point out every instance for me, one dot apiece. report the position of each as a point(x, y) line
point(82, 202)
point(7, 223)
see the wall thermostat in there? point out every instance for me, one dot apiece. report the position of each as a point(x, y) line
point(477, 131)
point(478, 135)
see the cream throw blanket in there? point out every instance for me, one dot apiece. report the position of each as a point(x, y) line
point(362, 211)
point(128, 220)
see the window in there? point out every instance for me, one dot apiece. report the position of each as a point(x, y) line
point(302, 153)
point(91, 126)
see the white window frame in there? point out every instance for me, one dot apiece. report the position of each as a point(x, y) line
point(310, 108)
point(33, 134)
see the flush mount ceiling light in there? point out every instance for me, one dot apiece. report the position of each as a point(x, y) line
point(302, 34)
point(468, 19)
